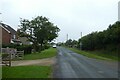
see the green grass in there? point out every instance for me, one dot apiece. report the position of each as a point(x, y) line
point(26, 72)
point(96, 54)
point(51, 52)
point(31, 71)
point(105, 54)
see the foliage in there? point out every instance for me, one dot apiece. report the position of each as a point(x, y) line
point(26, 72)
point(9, 45)
point(107, 40)
point(96, 54)
point(38, 30)
point(71, 43)
point(26, 48)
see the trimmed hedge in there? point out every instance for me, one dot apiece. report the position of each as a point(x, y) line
point(27, 48)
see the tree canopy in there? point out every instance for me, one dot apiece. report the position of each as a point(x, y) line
point(38, 30)
point(107, 39)
point(71, 43)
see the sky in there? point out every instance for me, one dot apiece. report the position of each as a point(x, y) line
point(71, 16)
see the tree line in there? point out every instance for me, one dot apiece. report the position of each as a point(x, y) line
point(108, 39)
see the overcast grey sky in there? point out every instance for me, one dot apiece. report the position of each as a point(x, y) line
point(71, 16)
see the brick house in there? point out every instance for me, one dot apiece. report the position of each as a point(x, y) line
point(8, 34)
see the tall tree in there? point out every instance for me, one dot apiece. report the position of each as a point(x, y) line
point(38, 30)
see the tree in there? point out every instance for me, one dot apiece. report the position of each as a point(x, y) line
point(69, 43)
point(38, 30)
point(74, 43)
point(106, 40)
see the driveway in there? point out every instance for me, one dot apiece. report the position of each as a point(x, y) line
point(72, 65)
point(42, 62)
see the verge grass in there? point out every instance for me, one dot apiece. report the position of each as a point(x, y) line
point(32, 71)
point(26, 72)
point(96, 54)
point(51, 52)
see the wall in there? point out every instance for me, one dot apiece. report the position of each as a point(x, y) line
point(6, 37)
point(24, 40)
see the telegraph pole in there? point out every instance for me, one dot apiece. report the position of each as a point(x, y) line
point(67, 37)
point(119, 11)
point(0, 45)
point(0, 18)
point(81, 42)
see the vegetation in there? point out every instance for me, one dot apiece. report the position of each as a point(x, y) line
point(26, 72)
point(107, 42)
point(26, 48)
point(95, 54)
point(71, 43)
point(32, 71)
point(51, 52)
point(39, 31)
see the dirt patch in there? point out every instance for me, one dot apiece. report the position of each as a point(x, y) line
point(42, 62)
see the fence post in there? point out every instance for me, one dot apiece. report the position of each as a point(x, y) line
point(9, 53)
point(9, 59)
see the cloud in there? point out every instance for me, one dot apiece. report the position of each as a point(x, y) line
point(71, 16)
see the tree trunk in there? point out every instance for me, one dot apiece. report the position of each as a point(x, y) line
point(41, 48)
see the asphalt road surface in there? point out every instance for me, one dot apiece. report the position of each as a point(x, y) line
point(72, 65)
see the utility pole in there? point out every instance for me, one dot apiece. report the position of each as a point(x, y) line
point(0, 45)
point(0, 18)
point(67, 37)
point(81, 42)
point(119, 11)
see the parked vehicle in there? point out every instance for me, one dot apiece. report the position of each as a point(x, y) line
point(54, 46)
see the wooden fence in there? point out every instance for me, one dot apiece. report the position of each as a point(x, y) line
point(10, 53)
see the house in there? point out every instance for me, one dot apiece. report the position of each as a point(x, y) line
point(24, 41)
point(8, 34)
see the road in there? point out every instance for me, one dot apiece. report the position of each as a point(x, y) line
point(72, 65)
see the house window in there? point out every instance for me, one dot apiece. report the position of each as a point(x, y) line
point(14, 36)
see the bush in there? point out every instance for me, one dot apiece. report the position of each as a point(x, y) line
point(46, 46)
point(10, 45)
point(27, 48)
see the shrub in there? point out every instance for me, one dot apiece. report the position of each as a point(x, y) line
point(27, 48)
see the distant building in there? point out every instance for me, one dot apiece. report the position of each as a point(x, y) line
point(24, 41)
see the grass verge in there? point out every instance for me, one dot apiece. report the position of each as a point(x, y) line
point(26, 72)
point(51, 52)
point(96, 55)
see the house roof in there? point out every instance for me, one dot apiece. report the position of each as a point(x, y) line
point(8, 28)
